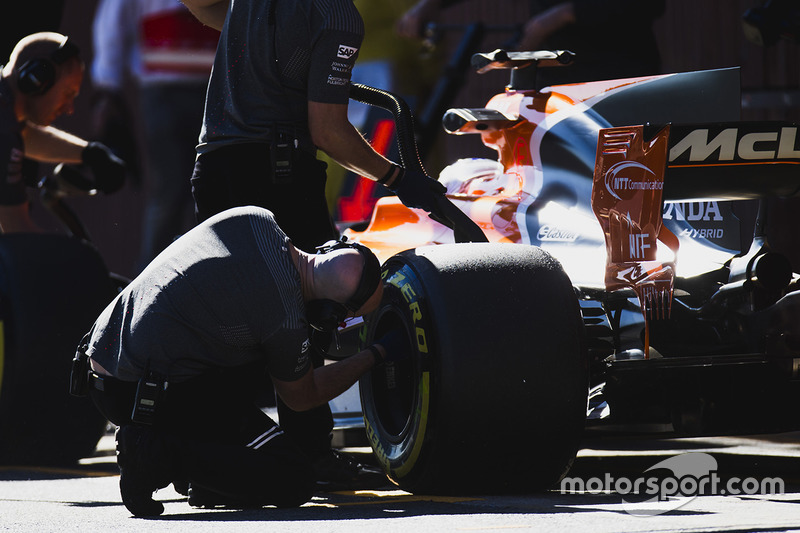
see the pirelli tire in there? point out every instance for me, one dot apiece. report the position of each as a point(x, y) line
point(493, 396)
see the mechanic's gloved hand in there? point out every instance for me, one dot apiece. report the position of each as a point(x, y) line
point(415, 189)
point(108, 169)
point(395, 346)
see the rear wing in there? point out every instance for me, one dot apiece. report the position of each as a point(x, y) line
point(638, 167)
point(732, 161)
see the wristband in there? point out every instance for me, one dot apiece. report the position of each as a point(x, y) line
point(389, 174)
point(376, 354)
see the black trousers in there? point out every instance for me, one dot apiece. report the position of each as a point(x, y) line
point(241, 174)
point(211, 434)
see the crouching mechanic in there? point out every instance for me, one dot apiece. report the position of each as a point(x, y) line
point(179, 356)
point(39, 83)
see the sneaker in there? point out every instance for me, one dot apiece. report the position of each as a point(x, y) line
point(141, 472)
point(335, 471)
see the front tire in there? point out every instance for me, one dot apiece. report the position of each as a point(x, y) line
point(493, 397)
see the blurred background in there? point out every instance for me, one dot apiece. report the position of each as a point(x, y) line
point(691, 35)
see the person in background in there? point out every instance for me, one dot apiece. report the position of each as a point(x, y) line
point(611, 38)
point(39, 83)
point(29, 18)
point(168, 53)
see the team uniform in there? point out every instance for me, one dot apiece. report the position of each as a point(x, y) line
point(255, 146)
point(12, 185)
point(212, 327)
point(194, 310)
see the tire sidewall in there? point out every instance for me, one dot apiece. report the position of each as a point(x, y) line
point(400, 446)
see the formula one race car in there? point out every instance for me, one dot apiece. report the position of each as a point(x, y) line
point(613, 294)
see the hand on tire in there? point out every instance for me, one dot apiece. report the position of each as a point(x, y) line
point(415, 189)
point(395, 346)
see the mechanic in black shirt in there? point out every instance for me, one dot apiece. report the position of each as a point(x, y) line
point(279, 90)
point(222, 311)
point(38, 84)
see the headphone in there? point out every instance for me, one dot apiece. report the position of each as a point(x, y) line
point(325, 314)
point(36, 76)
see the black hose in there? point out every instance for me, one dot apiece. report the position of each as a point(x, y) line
point(403, 118)
point(445, 212)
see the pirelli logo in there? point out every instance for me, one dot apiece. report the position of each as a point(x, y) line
point(733, 143)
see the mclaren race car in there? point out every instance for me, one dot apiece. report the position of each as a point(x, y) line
point(598, 284)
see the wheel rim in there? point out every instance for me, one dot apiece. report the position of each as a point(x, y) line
point(394, 384)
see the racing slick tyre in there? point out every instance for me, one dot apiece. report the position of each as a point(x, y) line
point(52, 288)
point(493, 396)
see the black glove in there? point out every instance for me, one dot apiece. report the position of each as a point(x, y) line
point(415, 189)
point(395, 345)
point(108, 169)
point(112, 125)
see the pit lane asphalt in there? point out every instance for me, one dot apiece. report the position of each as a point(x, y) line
point(87, 498)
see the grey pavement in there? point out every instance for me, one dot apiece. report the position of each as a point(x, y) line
point(87, 498)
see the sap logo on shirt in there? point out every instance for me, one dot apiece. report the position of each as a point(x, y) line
point(346, 52)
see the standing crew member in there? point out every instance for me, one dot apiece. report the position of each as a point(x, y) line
point(279, 90)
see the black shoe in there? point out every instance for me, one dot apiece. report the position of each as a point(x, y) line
point(181, 487)
point(208, 499)
point(338, 471)
point(142, 469)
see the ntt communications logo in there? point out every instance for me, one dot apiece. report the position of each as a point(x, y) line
point(671, 484)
